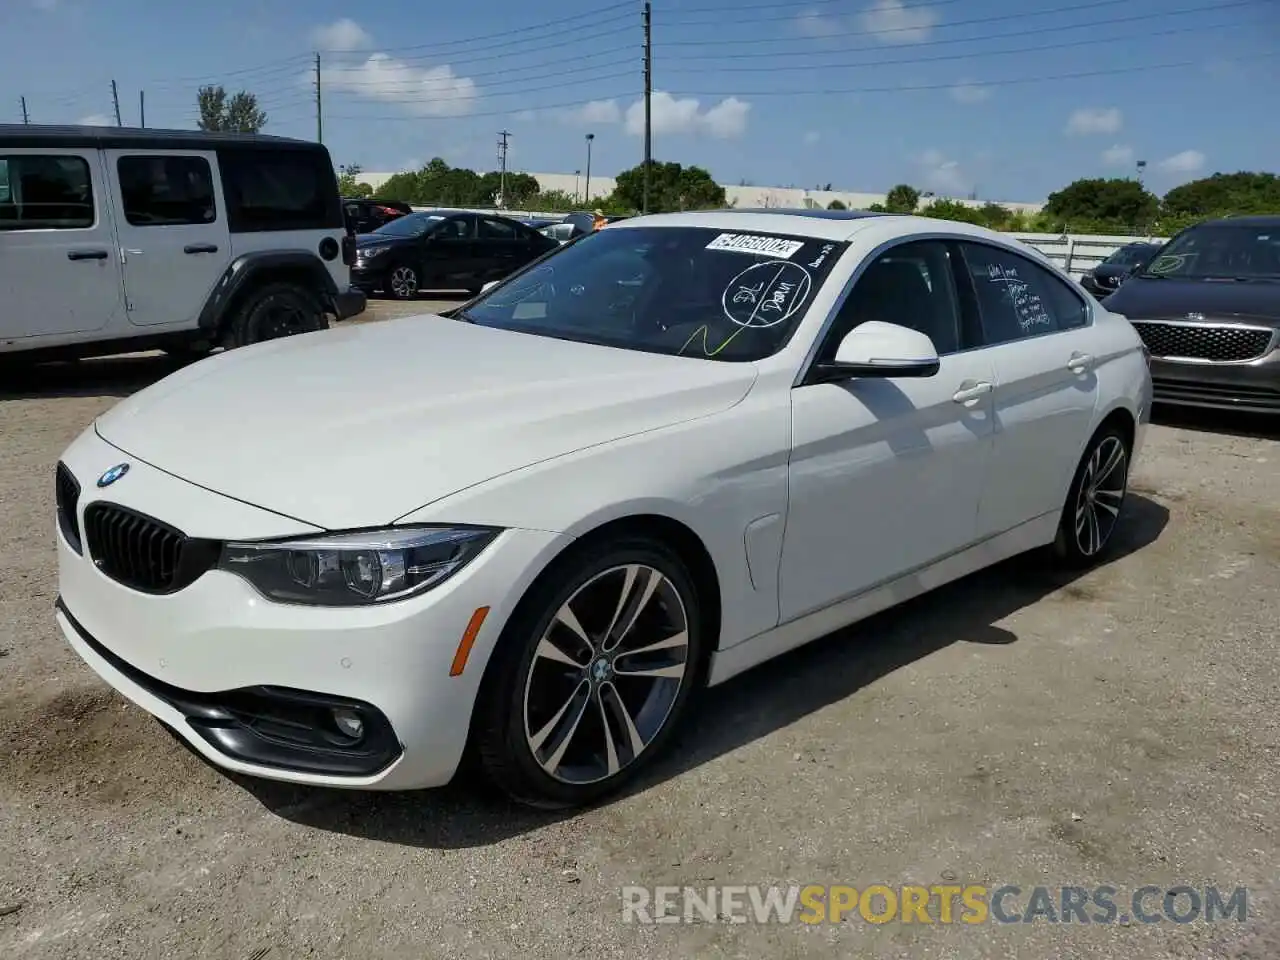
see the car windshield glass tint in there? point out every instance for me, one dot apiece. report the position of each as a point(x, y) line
point(1126, 256)
point(1220, 251)
point(695, 292)
point(408, 226)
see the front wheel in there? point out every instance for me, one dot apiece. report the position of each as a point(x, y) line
point(1094, 501)
point(592, 675)
point(403, 282)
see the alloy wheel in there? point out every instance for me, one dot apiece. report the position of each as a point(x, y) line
point(605, 674)
point(403, 282)
point(1102, 490)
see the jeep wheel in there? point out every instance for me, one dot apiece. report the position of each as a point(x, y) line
point(273, 311)
point(402, 282)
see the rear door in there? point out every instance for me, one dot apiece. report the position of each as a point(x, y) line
point(503, 247)
point(172, 228)
point(59, 269)
point(1039, 336)
point(451, 260)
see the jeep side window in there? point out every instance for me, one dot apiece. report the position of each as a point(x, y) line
point(45, 192)
point(166, 190)
point(279, 190)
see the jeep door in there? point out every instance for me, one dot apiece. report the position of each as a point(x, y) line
point(172, 226)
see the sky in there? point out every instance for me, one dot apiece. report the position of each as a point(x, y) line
point(1007, 100)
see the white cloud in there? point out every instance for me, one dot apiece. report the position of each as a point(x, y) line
point(1117, 156)
point(420, 91)
point(527, 116)
point(96, 120)
point(943, 175)
point(669, 115)
point(1188, 161)
point(812, 136)
point(599, 112)
point(341, 36)
point(894, 22)
point(1090, 120)
point(967, 92)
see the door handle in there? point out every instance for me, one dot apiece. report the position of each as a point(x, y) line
point(200, 248)
point(86, 254)
point(973, 391)
point(1080, 363)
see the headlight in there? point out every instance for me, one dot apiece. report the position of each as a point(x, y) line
point(356, 569)
point(368, 253)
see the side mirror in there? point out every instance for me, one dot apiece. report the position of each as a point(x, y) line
point(878, 349)
point(489, 286)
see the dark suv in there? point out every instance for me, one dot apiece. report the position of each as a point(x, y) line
point(1106, 277)
point(1208, 309)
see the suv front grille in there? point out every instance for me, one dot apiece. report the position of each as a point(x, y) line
point(66, 493)
point(1209, 342)
point(144, 554)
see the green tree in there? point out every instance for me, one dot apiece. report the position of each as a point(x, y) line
point(349, 184)
point(555, 201)
point(902, 199)
point(995, 216)
point(239, 114)
point(952, 210)
point(877, 208)
point(521, 188)
point(671, 187)
point(836, 205)
point(1223, 194)
point(1102, 206)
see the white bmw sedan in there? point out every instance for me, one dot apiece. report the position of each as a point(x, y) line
point(533, 530)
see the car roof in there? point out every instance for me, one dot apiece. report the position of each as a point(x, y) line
point(1249, 220)
point(142, 138)
point(815, 224)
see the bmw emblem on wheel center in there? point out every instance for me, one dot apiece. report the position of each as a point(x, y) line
point(112, 475)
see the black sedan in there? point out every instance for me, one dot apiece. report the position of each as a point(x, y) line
point(1103, 279)
point(443, 250)
point(1208, 309)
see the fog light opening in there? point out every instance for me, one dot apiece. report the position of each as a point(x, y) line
point(348, 722)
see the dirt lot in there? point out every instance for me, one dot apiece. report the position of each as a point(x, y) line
point(1121, 728)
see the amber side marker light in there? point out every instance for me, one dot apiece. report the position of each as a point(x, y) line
point(468, 641)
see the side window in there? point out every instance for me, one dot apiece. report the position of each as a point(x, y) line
point(290, 189)
point(1018, 298)
point(459, 228)
point(166, 191)
point(910, 285)
point(496, 230)
point(45, 192)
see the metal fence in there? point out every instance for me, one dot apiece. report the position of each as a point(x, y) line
point(1077, 253)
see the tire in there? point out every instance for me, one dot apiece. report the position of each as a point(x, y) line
point(1094, 501)
point(521, 747)
point(403, 282)
point(275, 310)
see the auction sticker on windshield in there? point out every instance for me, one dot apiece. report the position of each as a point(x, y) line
point(747, 243)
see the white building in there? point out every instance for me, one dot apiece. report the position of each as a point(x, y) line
point(738, 196)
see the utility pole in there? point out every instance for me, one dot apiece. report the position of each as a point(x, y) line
point(26, 117)
point(142, 108)
point(648, 98)
point(319, 105)
point(115, 99)
point(586, 192)
point(502, 177)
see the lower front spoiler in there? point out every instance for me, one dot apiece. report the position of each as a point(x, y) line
point(272, 732)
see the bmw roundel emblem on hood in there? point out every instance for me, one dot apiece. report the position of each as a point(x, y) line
point(112, 475)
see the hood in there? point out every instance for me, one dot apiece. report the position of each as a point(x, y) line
point(360, 426)
point(1142, 299)
point(376, 239)
point(1111, 269)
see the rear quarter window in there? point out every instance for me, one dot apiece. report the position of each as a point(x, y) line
point(270, 190)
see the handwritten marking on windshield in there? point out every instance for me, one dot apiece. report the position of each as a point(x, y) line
point(706, 350)
point(766, 294)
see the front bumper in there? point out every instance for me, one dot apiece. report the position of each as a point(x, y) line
point(1252, 386)
point(350, 303)
point(230, 671)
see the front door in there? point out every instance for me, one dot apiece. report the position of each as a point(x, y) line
point(1038, 330)
point(886, 475)
point(59, 266)
point(173, 233)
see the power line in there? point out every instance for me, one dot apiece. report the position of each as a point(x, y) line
point(1038, 48)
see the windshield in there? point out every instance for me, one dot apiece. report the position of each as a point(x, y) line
point(410, 225)
point(1220, 251)
point(689, 291)
point(1128, 256)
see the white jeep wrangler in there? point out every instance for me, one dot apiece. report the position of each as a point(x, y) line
point(114, 240)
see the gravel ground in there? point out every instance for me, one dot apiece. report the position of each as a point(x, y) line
point(1121, 728)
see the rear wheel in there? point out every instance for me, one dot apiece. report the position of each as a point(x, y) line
point(590, 680)
point(403, 282)
point(1094, 501)
point(273, 311)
